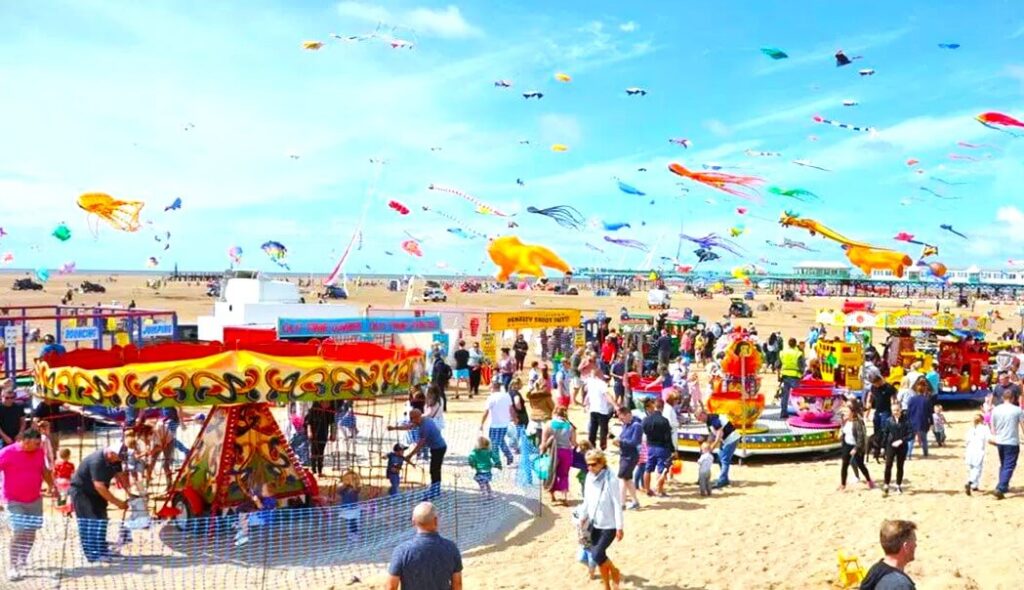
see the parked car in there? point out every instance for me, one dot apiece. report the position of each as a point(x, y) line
point(658, 299)
point(27, 285)
point(434, 294)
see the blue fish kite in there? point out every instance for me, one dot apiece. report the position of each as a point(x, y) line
point(173, 206)
point(949, 46)
point(458, 231)
point(629, 190)
point(614, 226)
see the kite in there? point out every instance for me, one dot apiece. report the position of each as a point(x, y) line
point(629, 189)
point(866, 72)
point(514, 257)
point(999, 122)
point(235, 254)
point(593, 247)
point(949, 46)
point(520, 182)
point(634, 91)
point(62, 233)
point(277, 253)
point(458, 231)
point(809, 164)
point(905, 237)
point(819, 119)
point(43, 275)
point(721, 181)
point(774, 53)
point(312, 45)
point(503, 83)
point(66, 268)
point(849, 102)
point(564, 215)
point(753, 153)
point(152, 262)
point(713, 241)
point(559, 147)
point(173, 206)
point(737, 230)
point(975, 146)
point(681, 141)
point(843, 60)
point(913, 162)
point(412, 247)
point(614, 226)
point(937, 194)
point(741, 210)
point(398, 207)
point(122, 215)
point(636, 245)
point(7, 258)
point(864, 256)
point(533, 94)
point(946, 182)
point(796, 193)
point(481, 207)
point(562, 77)
point(950, 229)
point(956, 156)
point(712, 166)
point(463, 230)
point(705, 255)
point(3, 232)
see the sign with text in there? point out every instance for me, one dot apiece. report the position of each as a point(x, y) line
point(537, 318)
point(489, 346)
point(326, 328)
point(10, 336)
point(82, 334)
point(158, 331)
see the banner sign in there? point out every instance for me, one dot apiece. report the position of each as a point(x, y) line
point(158, 331)
point(326, 328)
point(538, 318)
point(82, 334)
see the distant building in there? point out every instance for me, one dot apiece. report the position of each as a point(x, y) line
point(822, 270)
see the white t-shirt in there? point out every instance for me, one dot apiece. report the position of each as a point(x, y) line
point(499, 404)
point(1006, 419)
point(848, 437)
point(704, 463)
point(597, 396)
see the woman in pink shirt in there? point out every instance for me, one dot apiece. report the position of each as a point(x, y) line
point(23, 466)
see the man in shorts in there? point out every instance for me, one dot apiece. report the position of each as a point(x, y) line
point(660, 447)
point(23, 466)
point(629, 448)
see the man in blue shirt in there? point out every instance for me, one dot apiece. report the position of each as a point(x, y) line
point(428, 561)
point(51, 347)
point(629, 448)
point(430, 437)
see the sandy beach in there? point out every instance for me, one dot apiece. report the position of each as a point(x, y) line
point(780, 524)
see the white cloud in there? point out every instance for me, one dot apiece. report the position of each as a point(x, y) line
point(717, 128)
point(560, 128)
point(446, 23)
point(593, 46)
point(628, 27)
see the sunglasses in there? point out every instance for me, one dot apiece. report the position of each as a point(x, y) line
point(593, 464)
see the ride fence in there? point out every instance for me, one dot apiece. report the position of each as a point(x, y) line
point(307, 548)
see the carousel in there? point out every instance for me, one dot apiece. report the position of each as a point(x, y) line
point(240, 446)
point(736, 394)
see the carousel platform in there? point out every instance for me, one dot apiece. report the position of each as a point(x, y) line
point(780, 438)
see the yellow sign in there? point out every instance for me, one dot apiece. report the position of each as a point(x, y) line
point(489, 346)
point(537, 318)
point(579, 338)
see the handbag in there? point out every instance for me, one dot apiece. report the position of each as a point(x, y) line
point(586, 531)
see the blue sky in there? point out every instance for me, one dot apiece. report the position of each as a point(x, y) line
point(206, 101)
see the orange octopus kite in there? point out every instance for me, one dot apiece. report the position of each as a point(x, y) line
point(123, 215)
point(721, 181)
point(514, 257)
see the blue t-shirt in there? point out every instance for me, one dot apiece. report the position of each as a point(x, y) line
point(349, 496)
point(52, 349)
point(395, 461)
point(426, 562)
point(630, 439)
point(430, 434)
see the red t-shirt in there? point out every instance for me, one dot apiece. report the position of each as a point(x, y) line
point(608, 351)
point(63, 470)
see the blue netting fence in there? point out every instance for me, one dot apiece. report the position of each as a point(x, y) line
point(305, 548)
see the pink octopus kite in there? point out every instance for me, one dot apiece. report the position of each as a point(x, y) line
point(727, 183)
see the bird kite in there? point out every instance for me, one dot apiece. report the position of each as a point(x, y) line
point(564, 215)
point(950, 229)
point(636, 245)
point(629, 189)
point(819, 119)
point(634, 91)
point(790, 244)
point(999, 122)
point(713, 240)
point(533, 94)
point(799, 194)
point(774, 53)
point(727, 183)
point(866, 72)
point(176, 205)
point(503, 83)
point(843, 60)
point(949, 46)
point(481, 207)
point(681, 141)
point(849, 102)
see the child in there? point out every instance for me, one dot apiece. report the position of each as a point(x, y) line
point(939, 425)
point(256, 510)
point(986, 408)
point(43, 426)
point(977, 438)
point(63, 469)
point(579, 461)
point(348, 494)
point(704, 464)
point(394, 470)
point(347, 422)
point(482, 461)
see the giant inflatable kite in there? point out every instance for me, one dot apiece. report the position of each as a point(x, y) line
point(862, 255)
point(123, 215)
point(514, 257)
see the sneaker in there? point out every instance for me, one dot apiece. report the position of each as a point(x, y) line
point(13, 574)
point(899, 490)
point(999, 495)
point(885, 491)
point(634, 505)
point(967, 488)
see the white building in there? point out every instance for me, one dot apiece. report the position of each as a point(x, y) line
point(820, 270)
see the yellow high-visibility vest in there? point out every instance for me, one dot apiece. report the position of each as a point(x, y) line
point(791, 362)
